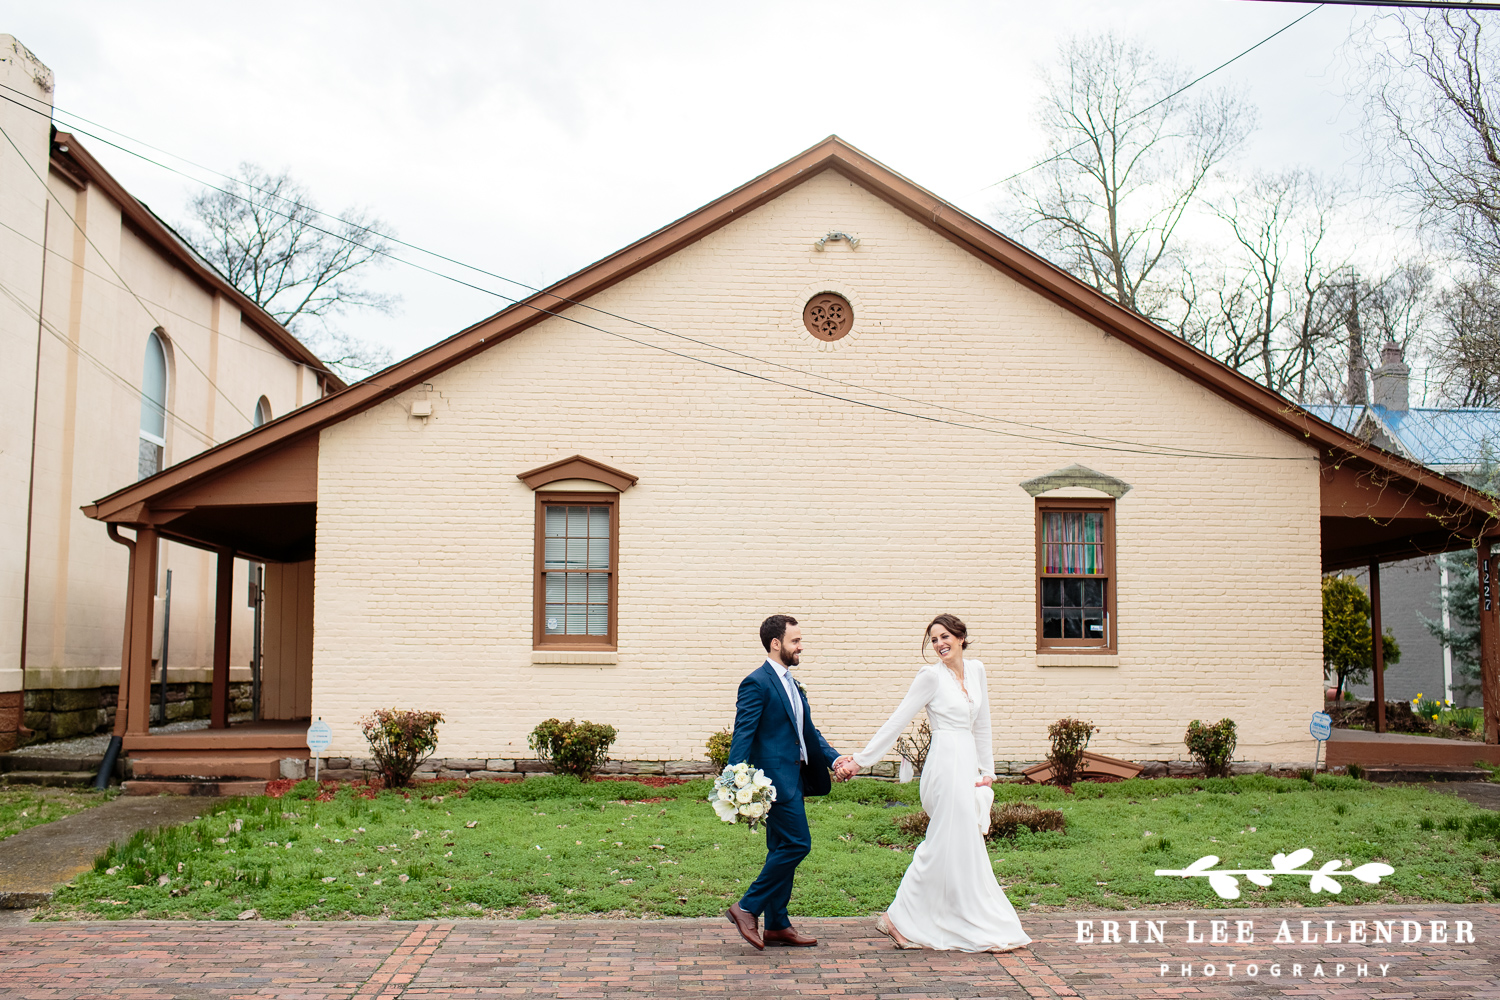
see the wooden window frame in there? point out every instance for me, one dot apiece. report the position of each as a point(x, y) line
point(539, 637)
point(1082, 647)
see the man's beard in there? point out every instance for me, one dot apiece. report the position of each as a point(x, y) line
point(788, 659)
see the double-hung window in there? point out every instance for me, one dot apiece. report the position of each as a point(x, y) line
point(1076, 574)
point(577, 548)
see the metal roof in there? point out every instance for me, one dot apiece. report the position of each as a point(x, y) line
point(1437, 436)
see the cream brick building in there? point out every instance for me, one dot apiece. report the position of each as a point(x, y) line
point(739, 466)
point(94, 292)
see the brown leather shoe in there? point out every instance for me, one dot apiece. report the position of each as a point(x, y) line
point(788, 937)
point(745, 924)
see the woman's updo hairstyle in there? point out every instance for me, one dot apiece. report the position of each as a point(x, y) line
point(953, 624)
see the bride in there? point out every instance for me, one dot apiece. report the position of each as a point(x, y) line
point(948, 899)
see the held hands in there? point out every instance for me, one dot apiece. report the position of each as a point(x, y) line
point(844, 768)
point(984, 782)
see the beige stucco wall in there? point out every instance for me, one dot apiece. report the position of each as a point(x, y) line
point(106, 290)
point(756, 499)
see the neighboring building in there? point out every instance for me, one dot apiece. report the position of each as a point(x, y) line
point(1456, 441)
point(828, 393)
point(129, 354)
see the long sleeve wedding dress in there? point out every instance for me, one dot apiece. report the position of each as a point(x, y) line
point(948, 898)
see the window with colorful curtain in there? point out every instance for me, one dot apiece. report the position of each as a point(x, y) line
point(1074, 560)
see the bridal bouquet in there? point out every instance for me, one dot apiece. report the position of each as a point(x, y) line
point(742, 794)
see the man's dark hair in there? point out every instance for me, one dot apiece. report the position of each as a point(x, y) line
point(774, 627)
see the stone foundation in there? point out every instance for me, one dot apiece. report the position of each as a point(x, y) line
point(11, 707)
point(59, 713)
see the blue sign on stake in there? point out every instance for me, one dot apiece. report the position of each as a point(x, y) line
point(319, 738)
point(1321, 728)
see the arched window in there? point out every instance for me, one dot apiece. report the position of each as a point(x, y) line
point(153, 407)
point(262, 412)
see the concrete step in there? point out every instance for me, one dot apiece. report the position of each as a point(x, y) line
point(37, 762)
point(51, 779)
point(136, 786)
point(1419, 773)
point(263, 765)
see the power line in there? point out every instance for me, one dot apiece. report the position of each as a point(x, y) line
point(139, 301)
point(1191, 83)
point(1086, 442)
point(1433, 4)
point(531, 288)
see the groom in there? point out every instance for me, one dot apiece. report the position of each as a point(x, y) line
point(774, 731)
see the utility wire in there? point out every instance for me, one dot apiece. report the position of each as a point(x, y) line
point(1432, 4)
point(121, 278)
point(103, 366)
point(1191, 83)
point(1186, 452)
point(1131, 447)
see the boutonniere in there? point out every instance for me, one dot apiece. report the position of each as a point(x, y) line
point(802, 690)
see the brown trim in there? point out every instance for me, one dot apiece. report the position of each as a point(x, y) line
point(1110, 576)
point(78, 162)
point(67, 171)
point(578, 467)
point(218, 706)
point(830, 154)
point(539, 637)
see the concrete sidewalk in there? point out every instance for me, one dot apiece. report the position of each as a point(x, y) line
point(674, 958)
point(33, 861)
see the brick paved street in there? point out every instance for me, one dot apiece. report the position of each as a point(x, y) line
point(587, 959)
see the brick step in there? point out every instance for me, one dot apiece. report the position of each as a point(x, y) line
point(1418, 773)
point(36, 762)
point(136, 786)
point(51, 779)
point(263, 765)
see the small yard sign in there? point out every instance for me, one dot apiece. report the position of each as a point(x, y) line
point(319, 738)
point(1321, 728)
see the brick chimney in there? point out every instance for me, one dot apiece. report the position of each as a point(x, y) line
point(1392, 379)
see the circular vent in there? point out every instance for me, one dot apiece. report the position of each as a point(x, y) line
point(828, 316)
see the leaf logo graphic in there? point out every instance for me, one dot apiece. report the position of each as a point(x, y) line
point(1324, 879)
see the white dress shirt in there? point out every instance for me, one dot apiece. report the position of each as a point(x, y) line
point(794, 696)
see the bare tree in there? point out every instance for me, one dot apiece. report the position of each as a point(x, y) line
point(1267, 304)
point(1466, 349)
point(265, 234)
point(1126, 165)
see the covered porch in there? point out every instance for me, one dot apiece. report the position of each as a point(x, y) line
point(1376, 511)
point(264, 512)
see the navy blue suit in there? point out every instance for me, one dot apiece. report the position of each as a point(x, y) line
point(764, 735)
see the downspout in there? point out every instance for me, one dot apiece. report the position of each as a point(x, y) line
point(36, 397)
point(122, 700)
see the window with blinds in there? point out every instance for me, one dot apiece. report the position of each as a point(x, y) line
point(1075, 560)
point(575, 585)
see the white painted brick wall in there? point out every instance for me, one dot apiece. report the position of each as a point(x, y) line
point(755, 499)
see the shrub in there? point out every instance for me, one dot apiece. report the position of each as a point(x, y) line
point(914, 748)
point(718, 748)
point(1005, 821)
point(399, 741)
point(576, 748)
point(1069, 739)
point(1212, 746)
point(1356, 772)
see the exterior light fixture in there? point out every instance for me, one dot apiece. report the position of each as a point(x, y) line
point(835, 237)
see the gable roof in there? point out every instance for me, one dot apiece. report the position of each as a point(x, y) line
point(79, 167)
point(962, 229)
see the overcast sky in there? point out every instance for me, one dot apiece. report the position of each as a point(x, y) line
point(534, 138)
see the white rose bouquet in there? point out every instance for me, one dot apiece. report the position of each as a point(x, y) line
point(742, 794)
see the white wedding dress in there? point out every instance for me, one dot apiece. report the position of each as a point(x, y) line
point(949, 899)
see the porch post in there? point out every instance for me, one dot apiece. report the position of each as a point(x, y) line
point(1489, 648)
point(122, 700)
point(142, 625)
point(219, 702)
point(1377, 639)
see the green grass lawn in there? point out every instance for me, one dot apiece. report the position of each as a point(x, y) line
point(555, 846)
point(23, 806)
